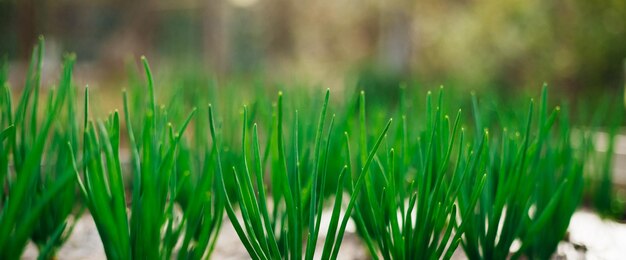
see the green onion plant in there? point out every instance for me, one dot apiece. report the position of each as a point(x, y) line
point(37, 199)
point(285, 234)
point(417, 215)
point(534, 184)
point(603, 194)
point(499, 183)
point(152, 226)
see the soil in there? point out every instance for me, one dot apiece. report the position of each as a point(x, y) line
point(589, 237)
point(85, 244)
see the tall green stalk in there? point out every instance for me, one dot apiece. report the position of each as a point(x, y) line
point(30, 196)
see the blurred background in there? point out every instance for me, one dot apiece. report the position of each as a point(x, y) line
point(578, 46)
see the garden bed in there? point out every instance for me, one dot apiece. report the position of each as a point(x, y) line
point(589, 237)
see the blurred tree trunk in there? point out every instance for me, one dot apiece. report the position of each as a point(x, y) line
point(396, 39)
point(215, 39)
point(280, 22)
point(27, 32)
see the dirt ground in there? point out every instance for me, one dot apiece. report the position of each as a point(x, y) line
point(589, 238)
point(84, 243)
